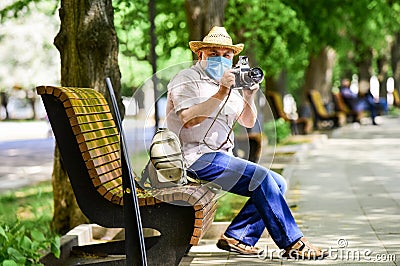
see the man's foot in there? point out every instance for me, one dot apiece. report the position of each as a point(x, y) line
point(233, 245)
point(303, 249)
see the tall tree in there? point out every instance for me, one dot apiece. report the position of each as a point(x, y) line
point(319, 72)
point(323, 19)
point(88, 47)
point(275, 39)
point(367, 26)
point(395, 60)
point(203, 15)
point(395, 46)
point(133, 27)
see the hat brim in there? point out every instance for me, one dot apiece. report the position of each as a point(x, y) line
point(197, 45)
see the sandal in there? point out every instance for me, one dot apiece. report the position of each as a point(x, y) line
point(303, 249)
point(233, 245)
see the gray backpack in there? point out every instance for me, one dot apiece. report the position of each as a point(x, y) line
point(166, 167)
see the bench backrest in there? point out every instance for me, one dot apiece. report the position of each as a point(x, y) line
point(276, 103)
point(340, 104)
point(317, 103)
point(396, 98)
point(88, 140)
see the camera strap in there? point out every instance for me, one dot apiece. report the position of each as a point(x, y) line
point(213, 122)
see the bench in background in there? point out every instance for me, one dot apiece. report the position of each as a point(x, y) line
point(89, 143)
point(301, 125)
point(341, 106)
point(322, 118)
point(396, 98)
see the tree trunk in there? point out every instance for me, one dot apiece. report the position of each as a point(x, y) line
point(88, 47)
point(364, 66)
point(278, 84)
point(383, 66)
point(66, 211)
point(319, 73)
point(203, 15)
point(395, 60)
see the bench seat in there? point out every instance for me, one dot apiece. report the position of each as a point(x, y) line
point(301, 125)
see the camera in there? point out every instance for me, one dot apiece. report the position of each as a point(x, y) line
point(245, 76)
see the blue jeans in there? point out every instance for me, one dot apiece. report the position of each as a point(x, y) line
point(266, 206)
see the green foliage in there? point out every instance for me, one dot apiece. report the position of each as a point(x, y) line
point(394, 111)
point(277, 131)
point(20, 8)
point(25, 233)
point(28, 205)
point(352, 28)
point(365, 27)
point(132, 23)
point(229, 206)
point(26, 36)
point(133, 29)
point(273, 34)
point(19, 245)
point(279, 35)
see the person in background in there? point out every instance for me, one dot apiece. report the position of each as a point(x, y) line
point(202, 109)
point(360, 104)
point(3, 104)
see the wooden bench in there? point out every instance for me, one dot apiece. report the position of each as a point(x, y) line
point(89, 143)
point(323, 119)
point(301, 125)
point(341, 106)
point(396, 98)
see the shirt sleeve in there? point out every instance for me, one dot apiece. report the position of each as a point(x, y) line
point(184, 90)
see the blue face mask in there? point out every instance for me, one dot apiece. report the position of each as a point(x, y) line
point(216, 65)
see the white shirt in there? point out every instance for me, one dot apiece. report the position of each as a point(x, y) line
point(193, 86)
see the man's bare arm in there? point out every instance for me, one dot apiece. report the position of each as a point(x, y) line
point(248, 116)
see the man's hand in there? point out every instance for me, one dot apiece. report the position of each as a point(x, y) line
point(227, 80)
point(249, 93)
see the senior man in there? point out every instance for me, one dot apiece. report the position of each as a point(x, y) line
point(202, 109)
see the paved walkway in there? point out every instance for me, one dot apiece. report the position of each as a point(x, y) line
point(26, 154)
point(346, 198)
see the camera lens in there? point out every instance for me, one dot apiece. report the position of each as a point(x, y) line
point(256, 74)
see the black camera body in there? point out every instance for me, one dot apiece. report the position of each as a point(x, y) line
point(245, 76)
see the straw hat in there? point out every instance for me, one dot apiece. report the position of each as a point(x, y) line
point(217, 37)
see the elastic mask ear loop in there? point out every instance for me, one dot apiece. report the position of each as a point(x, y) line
point(213, 122)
